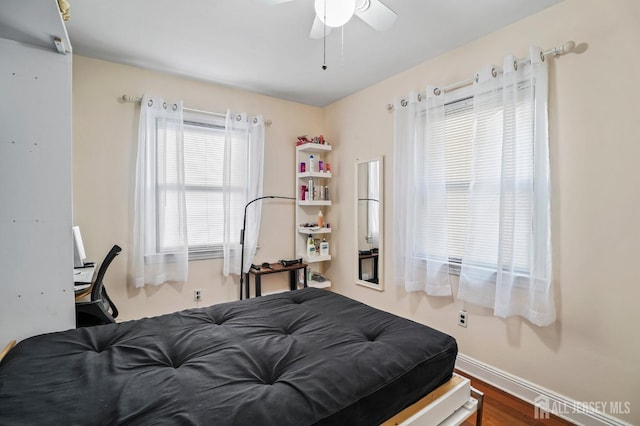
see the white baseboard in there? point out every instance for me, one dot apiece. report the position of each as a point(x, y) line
point(543, 400)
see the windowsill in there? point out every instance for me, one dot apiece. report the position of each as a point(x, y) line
point(455, 268)
point(205, 255)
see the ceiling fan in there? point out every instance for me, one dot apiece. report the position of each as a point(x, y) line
point(336, 13)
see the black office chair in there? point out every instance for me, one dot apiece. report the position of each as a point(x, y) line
point(96, 312)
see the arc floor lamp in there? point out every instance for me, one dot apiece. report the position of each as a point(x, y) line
point(242, 232)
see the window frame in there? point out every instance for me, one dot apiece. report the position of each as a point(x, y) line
point(199, 121)
point(465, 94)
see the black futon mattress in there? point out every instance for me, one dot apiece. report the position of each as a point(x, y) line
point(298, 358)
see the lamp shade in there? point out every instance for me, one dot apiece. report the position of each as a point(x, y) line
point(335, 13)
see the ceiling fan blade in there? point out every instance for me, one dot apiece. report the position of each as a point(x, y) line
point(378, 15)
point(318, 30)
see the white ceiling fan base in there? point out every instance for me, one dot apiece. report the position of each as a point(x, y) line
point(375, 13)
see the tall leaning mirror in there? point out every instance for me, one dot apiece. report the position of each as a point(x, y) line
point(369, 222)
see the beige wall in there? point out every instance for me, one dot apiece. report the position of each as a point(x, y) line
point(104, 149)
point(592, 352)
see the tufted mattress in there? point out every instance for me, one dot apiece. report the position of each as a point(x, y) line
point(298, 358)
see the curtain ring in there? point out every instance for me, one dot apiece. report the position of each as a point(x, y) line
point(404, 102)
point(174, 107)
point(542, 56)
point(150, 102)
point(437, 91)
point(515, 65)
point(494, 72)
point(164, 105)
point(255, 120)
point(238, 117)
point(419, 97)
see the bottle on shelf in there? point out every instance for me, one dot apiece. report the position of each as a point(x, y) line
point(320, 218)
point(324, 247)
point(311, 163)
point(311, 246)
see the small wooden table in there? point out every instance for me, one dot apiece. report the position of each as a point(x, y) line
point(275, 268)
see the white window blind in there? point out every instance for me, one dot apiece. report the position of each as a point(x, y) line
point(459, 133)
point(203, 160)
point(495, 123)
point(204, 143)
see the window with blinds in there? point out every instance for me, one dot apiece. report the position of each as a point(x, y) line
point(204, 151)
point(490, 121)
point(203, 171)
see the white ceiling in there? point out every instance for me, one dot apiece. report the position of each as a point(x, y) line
point(252, 45)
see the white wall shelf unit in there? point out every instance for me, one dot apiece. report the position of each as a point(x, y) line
point(308, 205)
point(326, 175)
point(319, 284)
point(316, 259)
point(314, 203)
point(306, 230)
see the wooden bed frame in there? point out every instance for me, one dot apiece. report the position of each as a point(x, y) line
point(450, 404)
point(6, 349)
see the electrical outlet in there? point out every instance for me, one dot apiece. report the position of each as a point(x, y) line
point(463, 318)
point(197, 295)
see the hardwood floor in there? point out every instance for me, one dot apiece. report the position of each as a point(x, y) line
point(502, 409)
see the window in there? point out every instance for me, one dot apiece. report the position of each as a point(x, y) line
point(459, 133)
point(471, 169)
point(204, 152)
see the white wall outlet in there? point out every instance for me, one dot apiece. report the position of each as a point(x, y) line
point(197, 295)
point(463, 318)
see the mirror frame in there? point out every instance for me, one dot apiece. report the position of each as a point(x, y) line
point(380, 285)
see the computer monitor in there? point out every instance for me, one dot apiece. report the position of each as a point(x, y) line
point(79, 255)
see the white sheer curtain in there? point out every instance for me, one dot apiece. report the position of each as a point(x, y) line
point(507, 260)
point(160, 250)
point(420, 227)
point(242, 182)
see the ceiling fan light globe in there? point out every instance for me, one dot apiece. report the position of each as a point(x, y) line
point(338, 12)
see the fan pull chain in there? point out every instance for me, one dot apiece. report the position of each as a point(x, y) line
point(324, 38)
point(324, 49)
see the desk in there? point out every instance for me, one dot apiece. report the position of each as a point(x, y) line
point(274, 269)
point(373, 256)
point(82, 278)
